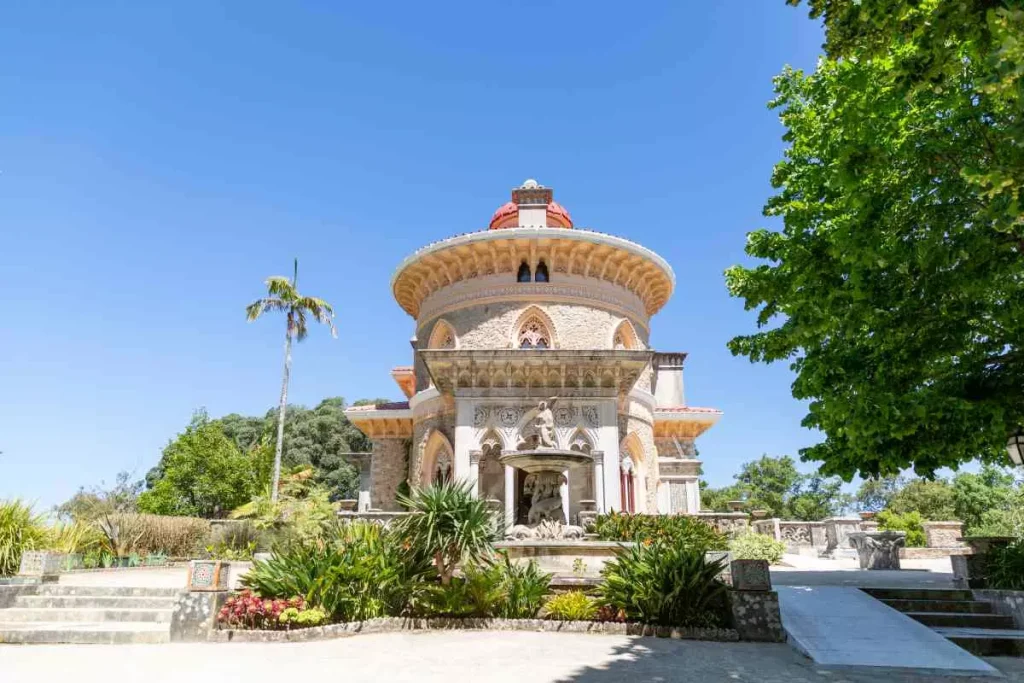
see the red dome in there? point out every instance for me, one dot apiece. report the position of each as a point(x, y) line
point(507, 216)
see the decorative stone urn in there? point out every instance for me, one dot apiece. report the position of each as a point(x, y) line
point(866, 515)
point(879, 549)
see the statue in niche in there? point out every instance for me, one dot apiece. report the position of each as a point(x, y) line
point(546, 501)
point(542, 430)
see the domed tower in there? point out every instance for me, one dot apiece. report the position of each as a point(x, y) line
point(535, 309)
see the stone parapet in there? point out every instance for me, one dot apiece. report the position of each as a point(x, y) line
point(732, 523)
point(944, 534)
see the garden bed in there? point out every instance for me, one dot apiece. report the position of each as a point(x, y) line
point(397, 624)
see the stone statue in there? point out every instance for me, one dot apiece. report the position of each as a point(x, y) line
point(544, 423)
point(546, 502)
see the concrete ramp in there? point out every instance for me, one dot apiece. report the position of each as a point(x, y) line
point(838, 626)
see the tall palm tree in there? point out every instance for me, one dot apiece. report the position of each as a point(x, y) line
point(283, 295)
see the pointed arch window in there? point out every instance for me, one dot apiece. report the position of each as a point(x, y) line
point(625, 337)
point(534, 334)
point(542, 273)
point(443, 468)
point(524, 274)
point(442, 336)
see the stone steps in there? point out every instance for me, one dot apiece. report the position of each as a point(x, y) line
point(83, 614)
point(963, 620)
point(96, 632)
point(954, 606)
point(957, 616)
point(86, 601)
point(55, 613)
point(987, 642)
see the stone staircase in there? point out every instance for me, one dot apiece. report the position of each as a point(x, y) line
point(56, 613)
point(971, 624)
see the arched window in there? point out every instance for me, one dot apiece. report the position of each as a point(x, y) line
point(625, 337)
point(443, 468)
point(442, 336)
point(533, 329)
point(436, 459)
point(524, 273)
point(627, 484)
point(542, 272)
point(533, 334)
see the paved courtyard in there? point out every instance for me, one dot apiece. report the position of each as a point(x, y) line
point(427, 657)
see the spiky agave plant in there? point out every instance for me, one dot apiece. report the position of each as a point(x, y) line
point(20, 530)
point(450, 525)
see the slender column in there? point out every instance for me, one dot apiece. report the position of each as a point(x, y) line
point(599, 483)
point(563, 491)
point(365, 484)
point(510, 495)
point(474, 471)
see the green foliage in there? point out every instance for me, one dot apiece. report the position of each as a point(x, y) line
point(893, 285)
point(990, 490)
point(910, 522)
point(932, 499)
point(20, 530)
point(877, 493)
point(303, 511)
point(757, 547)
point(487, 589)
point(665, 584)
point(305, 618)
point(775, 485)
point(365, 573)
point(450, 525)
point(1005, 569)
point(571, 606)
point(203, 473)
point(676, 530)
point(71, 538)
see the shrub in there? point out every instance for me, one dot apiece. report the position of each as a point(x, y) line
point(144, 534)
point(1005, 569)
point(571, 606)
point(678, 530)
point(665, 584)
point(302, 618)
point(911, 522)
point(450, 525)
point(757, 547)
point(72, 538)
point(20, 530)
point(489, 589)
point(366, 573)
point(245, 610)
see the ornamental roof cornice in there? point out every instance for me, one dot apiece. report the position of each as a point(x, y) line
point(582, 252)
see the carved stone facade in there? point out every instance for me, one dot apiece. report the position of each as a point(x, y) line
point(535, 310)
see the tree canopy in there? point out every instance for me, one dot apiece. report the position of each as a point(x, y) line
point(895, 283)
point(313, 438)
point(774, 484)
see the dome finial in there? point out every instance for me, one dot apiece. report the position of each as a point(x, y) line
point(530, 184)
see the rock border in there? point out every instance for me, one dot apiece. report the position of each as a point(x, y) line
point(397, 624)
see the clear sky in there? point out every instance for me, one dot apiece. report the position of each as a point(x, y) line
point(156, 164)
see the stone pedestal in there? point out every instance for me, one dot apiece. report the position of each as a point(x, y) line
point(208, 575)
point(837, 535)
point(751, 575)
point(878, 550)
point(42, 565)
point(943, 534)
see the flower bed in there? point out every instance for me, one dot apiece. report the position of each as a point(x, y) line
point(395, 624)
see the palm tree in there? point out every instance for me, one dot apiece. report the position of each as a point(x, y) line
point(283, 295)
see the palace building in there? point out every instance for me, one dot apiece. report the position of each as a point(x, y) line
point(535, 309)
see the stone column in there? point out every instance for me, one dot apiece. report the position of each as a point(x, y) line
point(363, 502)
point(563, 491)
point(599, 482)
point(510, 495)
point(474, 471)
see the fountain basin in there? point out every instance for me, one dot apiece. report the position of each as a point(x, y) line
point(560, 557)
point(539, 460)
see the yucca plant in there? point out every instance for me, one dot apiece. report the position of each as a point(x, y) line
point(669, 585)
point(20, 530)
point(121, 533)
point(72, 537)
point(523, 586)
point(449, 525)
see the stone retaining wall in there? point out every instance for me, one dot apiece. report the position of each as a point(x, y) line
point(1008, 603)
point(393, 624)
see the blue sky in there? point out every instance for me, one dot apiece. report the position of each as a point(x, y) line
point(157, 163)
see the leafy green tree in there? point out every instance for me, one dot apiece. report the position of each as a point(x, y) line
point(894, 284)
point(991, 490)
point(204, 474)
point(284, 297)
point(875, 494)
point(775, 484)
point(932, 499)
